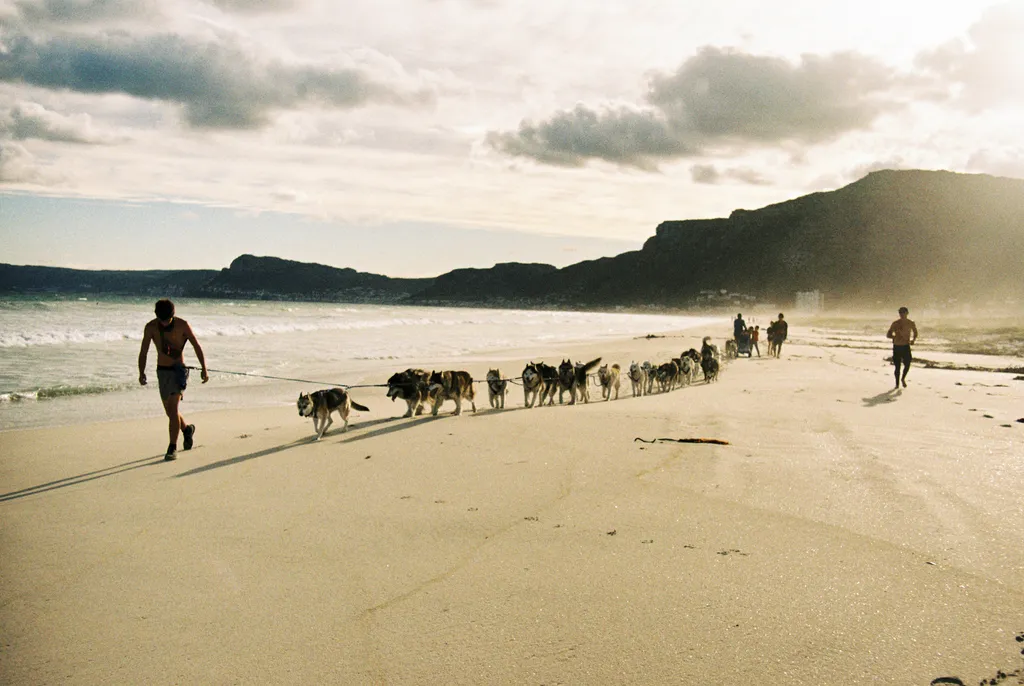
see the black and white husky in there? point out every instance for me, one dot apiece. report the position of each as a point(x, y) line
point(320, 404)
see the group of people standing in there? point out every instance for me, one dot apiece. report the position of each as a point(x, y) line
point(777, 332)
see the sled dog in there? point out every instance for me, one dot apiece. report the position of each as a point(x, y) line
point(573, 378)
point(321, 404)
point(497, 388)
point(410, 386)
point(609, 378)
point(451, 385)
point(533, 385)
point(638, 378)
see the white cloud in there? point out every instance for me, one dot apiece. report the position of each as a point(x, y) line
point(383, 111)
point(31, 120)
point(19, 166)
point(998, 162)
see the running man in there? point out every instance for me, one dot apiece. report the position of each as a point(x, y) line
point(903, 333)
point(170, 334)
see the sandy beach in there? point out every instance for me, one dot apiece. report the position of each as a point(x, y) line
point(846, 534)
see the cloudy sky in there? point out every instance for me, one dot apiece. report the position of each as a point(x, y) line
point(410, 137)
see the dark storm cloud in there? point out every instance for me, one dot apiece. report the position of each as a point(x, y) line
point(571, 138)
point(218, 85)
point(718, 99)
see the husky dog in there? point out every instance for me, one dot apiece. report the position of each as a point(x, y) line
point(651, 373)
point(320, 404)
point(411, 386)
point(582, 372)
point(533, 385)
point(677, 381)
point(732, 350)
point(710, 366)
point(667, 376)
point(567, 381)
point(709, 362)
point(637, 377)
point(695, 362)
point(582, 385)
point(573, 378)
point(497, 387)
point(685, 370)
point(451, 386)
point(609, 378)
point(550, 375)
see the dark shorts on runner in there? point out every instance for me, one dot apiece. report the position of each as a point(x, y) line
point(167, 378)
point(901, 354)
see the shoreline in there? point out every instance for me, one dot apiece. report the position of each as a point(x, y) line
point(845, 533)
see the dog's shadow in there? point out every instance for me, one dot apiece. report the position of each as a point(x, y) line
point(412, 423)
point(888, 397)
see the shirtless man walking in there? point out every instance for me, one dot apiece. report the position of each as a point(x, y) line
point(903, 333)
point(169, 334)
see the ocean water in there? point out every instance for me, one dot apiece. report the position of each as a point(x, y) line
point(68, 361)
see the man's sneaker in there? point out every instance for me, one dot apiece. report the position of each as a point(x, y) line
point(172, 453)
point(188, 433)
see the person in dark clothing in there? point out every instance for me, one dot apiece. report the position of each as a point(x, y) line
point(739, 327)
point(779, 333)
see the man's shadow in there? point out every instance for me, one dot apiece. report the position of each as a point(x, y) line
point(82, 478)
point(889, 396)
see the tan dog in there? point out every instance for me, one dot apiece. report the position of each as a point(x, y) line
point(320, 404)
point(609, 378)
point(497, 388)
point(638, 377)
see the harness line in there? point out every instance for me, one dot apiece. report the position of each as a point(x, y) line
point(286, 378)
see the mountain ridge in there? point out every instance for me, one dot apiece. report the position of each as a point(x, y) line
point(912, 234)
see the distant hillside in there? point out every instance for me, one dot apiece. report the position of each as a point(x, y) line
point(924, 235)
point(28, 279)
point(914, 236)
point(248, 277)
point(274, 278)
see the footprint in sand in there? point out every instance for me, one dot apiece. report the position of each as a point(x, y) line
point(988, 416)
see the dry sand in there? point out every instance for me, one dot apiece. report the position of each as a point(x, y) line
point(845, 535)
